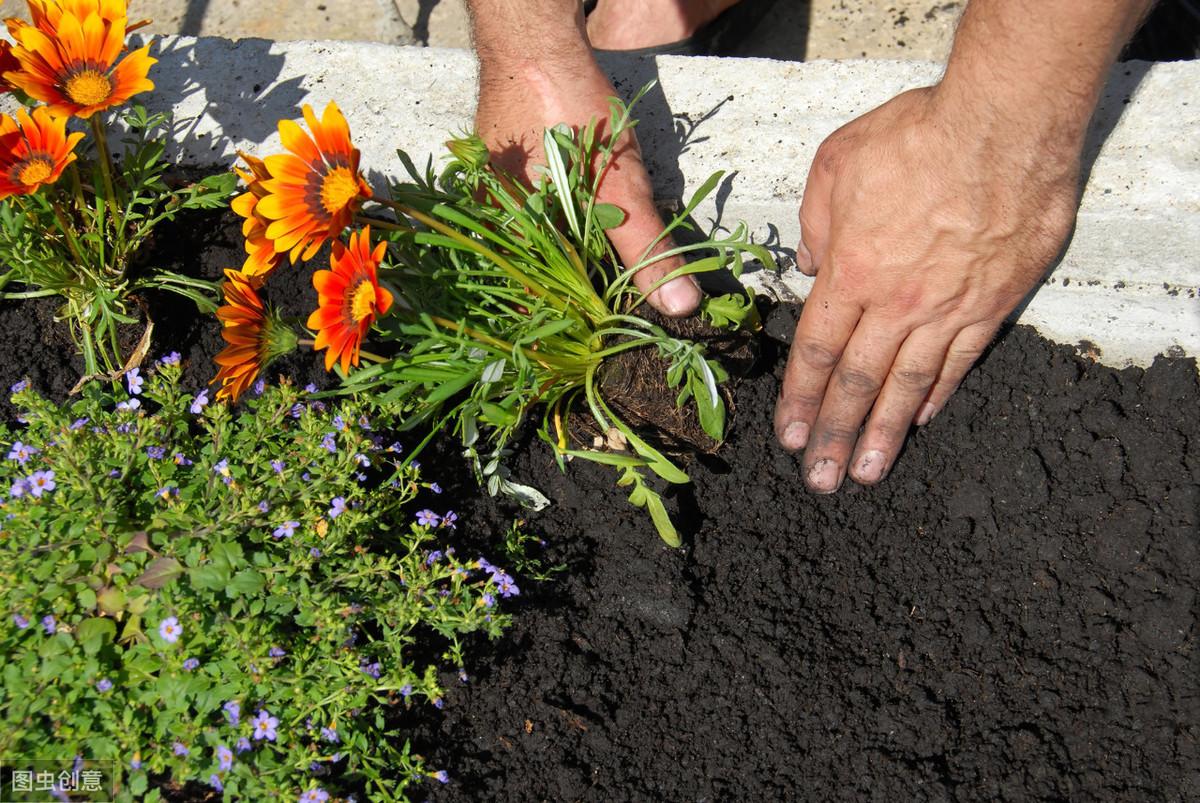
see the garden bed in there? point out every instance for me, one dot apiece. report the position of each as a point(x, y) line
point(1010, 615)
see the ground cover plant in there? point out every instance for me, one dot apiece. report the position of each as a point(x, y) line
point(73, 220)
point(488, 303)
point(237, 600)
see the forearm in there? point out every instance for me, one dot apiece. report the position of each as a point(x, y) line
point(1036, 67)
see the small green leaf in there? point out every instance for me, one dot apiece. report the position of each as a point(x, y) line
point(92, 632)
point(608, 216)
point(247, 581)
point(159, 573)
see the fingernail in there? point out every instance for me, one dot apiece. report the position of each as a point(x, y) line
point(925, 414)
point(870, 467)
point(795, 437)
point(680, 296)
point(824, 477)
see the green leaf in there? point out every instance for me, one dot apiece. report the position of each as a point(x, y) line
point(209, 577)
point(159, 573)
point(247, 581)
point(608, 216)
point(92, 632)
point(731, 311)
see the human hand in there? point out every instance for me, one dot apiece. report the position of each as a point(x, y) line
point(924, 227)
point(511, 117)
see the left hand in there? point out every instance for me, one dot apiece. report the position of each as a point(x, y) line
point(924, 227)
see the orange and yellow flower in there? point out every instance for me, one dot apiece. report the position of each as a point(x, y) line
point(261, 256)
point(254, 335)
point(8, 63)
point(349, 299)
point(314, 190)
point(68, 57)
point(34, 150)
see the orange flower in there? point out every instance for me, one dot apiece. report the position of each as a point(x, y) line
point(349, 299)
point(254, 334)
point(34, 150)
point(67, 57)
point(261, 257)
point(8, 63)
point(314, 191)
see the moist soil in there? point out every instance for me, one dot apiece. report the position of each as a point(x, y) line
point(1010, 615)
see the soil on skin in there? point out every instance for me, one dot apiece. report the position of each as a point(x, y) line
point(1011, 615)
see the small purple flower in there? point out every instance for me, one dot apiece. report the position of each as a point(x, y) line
point(181, 459)
point(125, 429)
point(449, 520)
point(49, 625)
point(225, 757)
point(395, 447)
point(199, 403)
point(21, 453)
point(314, 552)
point(156, 452)
point(214, 781)
point(438, 702)
point(129, 404)
point(170, 359)
point(505, 585)
point(441, 776)
point(259, 387)
point(364, 423)
point(433, 557)
point(362, 460)
point(134, 381)
point(103, 685)
point(233, 710)
point(305, 477)
point(263, 507)
point(337, 507)
point(360, 477)
point(406, 690)
point(221, 467)
point(264, 726)
point(330, 735)
point(463, 677)
point(191, 663)
point(310, 388)
point(338, 423)
point(78, 424)
point(315, 795)
point(18, 489)
point(372, 669)
point(170, 630)
point(297, 410)
point(329, 442)
point(433, 486)
point(41, 482)
point(276, 652)
point(243, 744)
point(20, 621)
point(488, 600)
point(277, 466)
point(135, 763)
point(166, 492)
point(286, 530)
point(180, 749)
point(427, 518)
point(20, 386)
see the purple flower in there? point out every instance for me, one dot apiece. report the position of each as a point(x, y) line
point(125, 429)
point(225, 757)
point(180, 749)
point(442, 776)
point(199, 403)
point(286, 530)
point(305, 477)
point(20, 621)
point(314, 552)
point(438, 703)
point(395, 447)
point(505, 585)
point(259, 387)
point(362, 460)
point(49, 625)
point(170, 359)
point(78, 424)
point(297, 410)
point(221, 467)
point(463, 677)
point(41, 482)
point(264, 726)
point(433, 486)
point(338, 423)
point(134, 381)
point(449, 519)
point(103, 685)
point(214, 781)
point(135, 763)
point(191, 663)
point(406, 690)
point(372, 669)
point(181, 459)
point(156, 452)
point(433, 557)
point(427, 518)
point(20, 386)
point(364, 422)
point(170, 630)
point(277, 466)
point(330, 735)
point(329, 442)
point(276, 652)
point(18, 489)
point(233, 710)
point(21, 453)
point(310, 388)
point(263, 507)
point(166, 491)
point(337, 507)
point(488, 600)
point(315, 795)
point(243, 744)
point(129, 404)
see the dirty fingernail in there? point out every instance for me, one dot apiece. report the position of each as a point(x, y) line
point(925, 414)
point(680, 296)
point(824, 477)
point(795, 437)
point(870, 467)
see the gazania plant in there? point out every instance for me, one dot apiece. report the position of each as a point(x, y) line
point(486, 303)
point(72, 217)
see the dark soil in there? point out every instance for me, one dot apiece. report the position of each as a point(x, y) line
point(1011, 615)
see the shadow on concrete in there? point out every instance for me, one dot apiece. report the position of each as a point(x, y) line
point(420, 27)
point(247, 106)
point(193, 18)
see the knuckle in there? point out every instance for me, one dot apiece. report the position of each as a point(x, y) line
point(858, 383)
point(817, 356)
point(835, 435)
point(912, 378)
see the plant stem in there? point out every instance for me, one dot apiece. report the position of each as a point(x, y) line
point(68, 232)
point(106, 167)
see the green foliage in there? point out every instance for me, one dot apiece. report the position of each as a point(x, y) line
point(275, 548)
point(513, 301)
point(79, 238)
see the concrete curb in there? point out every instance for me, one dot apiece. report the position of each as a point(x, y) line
point(1126, 286)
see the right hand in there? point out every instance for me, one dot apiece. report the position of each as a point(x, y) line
point(516, 105)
